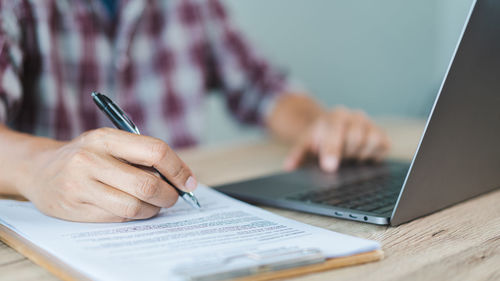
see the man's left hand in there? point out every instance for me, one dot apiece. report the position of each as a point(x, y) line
point(336, 135)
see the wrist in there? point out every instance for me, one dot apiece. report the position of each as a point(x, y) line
point(293, 114)
point(40, 152)
point(21, 157)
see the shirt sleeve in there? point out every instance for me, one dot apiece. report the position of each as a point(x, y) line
point(10, 60)
point(248, 82)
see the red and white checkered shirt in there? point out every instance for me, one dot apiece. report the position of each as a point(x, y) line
point(156, 59)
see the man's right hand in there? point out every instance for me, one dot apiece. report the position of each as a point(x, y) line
point(97, 177)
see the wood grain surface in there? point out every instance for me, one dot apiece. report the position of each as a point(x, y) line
point(458, 243)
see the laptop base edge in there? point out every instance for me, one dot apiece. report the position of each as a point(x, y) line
point(346, 214)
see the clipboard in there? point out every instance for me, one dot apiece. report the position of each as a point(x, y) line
point(313, 261)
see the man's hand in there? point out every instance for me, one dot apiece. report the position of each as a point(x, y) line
point(340, 134)
point(97, 177)
point(331, 136)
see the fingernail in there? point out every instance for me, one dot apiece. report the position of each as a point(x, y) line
point(330, 163)
point(191, 184)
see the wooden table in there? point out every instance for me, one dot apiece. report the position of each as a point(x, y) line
point(459, 243)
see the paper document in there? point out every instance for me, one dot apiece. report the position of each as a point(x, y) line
point(178, 241)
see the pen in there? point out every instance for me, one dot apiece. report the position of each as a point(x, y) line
point(123, 122)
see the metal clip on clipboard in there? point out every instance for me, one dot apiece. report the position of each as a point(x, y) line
point(249, 263)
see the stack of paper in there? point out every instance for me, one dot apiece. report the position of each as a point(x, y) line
point(224, 234)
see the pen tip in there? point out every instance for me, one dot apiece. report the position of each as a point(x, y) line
point(197, 203)
point(191, 200)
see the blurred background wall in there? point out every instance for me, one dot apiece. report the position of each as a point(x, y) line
point(387, 57)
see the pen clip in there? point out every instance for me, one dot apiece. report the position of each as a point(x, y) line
point(115, 114)
point(120, 114)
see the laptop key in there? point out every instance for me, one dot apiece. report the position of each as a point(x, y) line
point(378, 193)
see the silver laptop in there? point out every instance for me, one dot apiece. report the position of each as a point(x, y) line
point(458, 156)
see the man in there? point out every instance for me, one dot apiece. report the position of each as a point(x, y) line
point(156, 59)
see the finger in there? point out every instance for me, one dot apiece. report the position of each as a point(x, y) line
point(383, 150)
point(317, 135)
point(90, 213)
point(374, 143)
point(332, 145)
point(143, 150)
point(173, 168)
point(118, 202)
point(355, 136)
point(297, 155)
point(141, 184)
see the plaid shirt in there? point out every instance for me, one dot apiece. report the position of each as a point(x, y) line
point(156, 59)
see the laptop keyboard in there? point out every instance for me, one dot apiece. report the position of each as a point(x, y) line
point(376, 195)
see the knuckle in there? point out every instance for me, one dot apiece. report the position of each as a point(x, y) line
point(81, 156)
point(149, 187)
point(340, 112)
point(159, 151)
point(85, 135)
point(353, 144)
point(104, 131)
point(97, 136)
point(355, 131)
point(132, 209)
point(360, 118)
point(178, 171)
point(339, 123)
point(360, 114)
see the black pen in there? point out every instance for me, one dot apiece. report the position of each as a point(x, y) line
point(122, 122)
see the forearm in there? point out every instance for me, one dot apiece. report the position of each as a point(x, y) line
point(292, 115)
point(17, 154)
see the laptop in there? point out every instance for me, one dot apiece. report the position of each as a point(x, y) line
point(458, 156)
